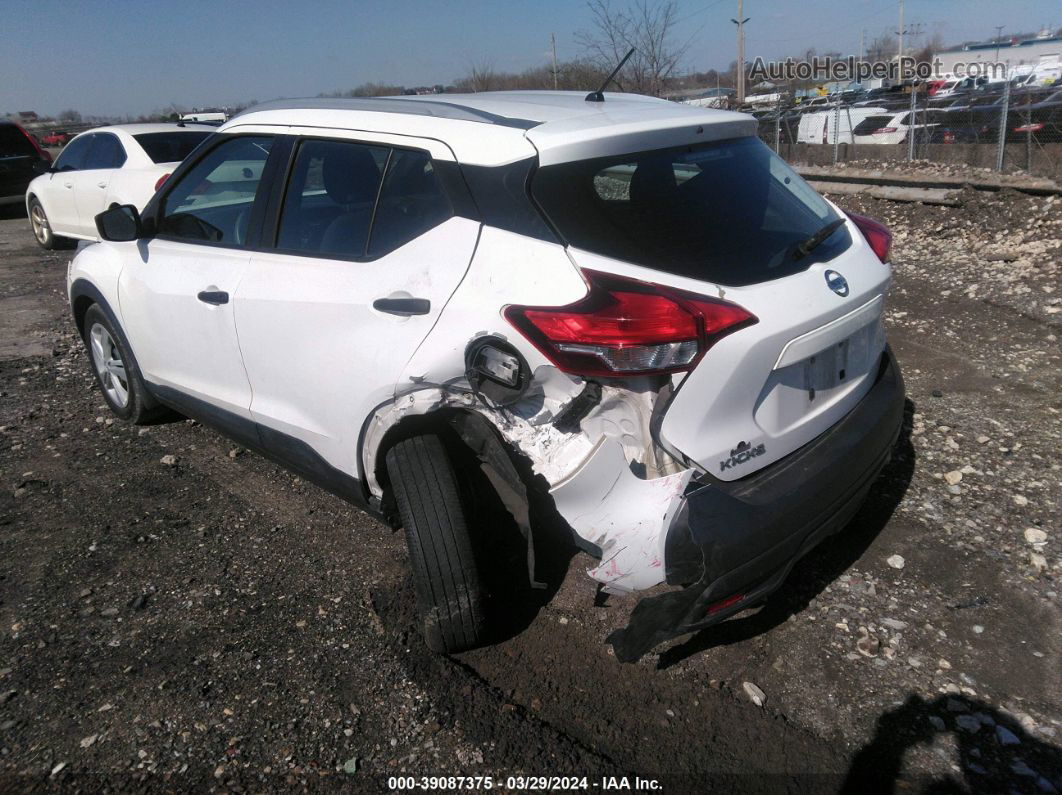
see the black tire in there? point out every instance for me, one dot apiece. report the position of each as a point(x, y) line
point(139, 407)
point(42, 228)
point(447, 583)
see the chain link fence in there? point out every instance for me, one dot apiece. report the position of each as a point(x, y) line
point(1004, 129)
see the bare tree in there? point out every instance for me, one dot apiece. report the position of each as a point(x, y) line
point(882, 47)
point(482, 76)
point(70, 116)
point(646, 27)
point(934, 45)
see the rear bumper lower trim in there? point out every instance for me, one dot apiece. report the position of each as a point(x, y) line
point(743, 537)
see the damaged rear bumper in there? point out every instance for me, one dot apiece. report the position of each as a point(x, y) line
point(737, 541)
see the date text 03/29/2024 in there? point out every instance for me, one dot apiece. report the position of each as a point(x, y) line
point(524, 783)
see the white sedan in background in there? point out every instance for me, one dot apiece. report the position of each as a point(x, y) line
point(102, 168)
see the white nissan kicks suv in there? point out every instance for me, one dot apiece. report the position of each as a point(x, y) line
point(617, 315)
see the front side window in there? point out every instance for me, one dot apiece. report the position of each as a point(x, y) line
point(74, 156)
point(330, 198)
point(212, 202)
point(731, 212)
point(106, 152)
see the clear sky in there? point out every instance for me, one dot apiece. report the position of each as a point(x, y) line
point(124, 57)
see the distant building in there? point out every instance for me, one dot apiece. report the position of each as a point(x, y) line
point(1043, 49)
point(27, 115)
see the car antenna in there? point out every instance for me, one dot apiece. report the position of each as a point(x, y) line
point(599, 96)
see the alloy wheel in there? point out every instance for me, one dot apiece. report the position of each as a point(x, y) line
point(109, 366)
point(40, 224)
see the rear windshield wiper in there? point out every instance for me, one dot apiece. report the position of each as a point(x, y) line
point(809, 245)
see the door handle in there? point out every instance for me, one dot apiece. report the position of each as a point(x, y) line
point(101, 184)
point(215, 297)
point(69, 184)
point(403, 307)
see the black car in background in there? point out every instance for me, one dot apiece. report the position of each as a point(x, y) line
point(21, 159)
point(1038, 116)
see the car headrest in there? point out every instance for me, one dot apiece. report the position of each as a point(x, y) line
point(350, 174)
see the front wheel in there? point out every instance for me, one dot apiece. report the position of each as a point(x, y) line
point(116, 371)
point(42, 228)
point(447, 583)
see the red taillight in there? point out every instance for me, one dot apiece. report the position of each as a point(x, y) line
point(161, 182)
point(1035, 127)
point(723, 604)
point(627, 327)
point(878, 235)
point(883, 130)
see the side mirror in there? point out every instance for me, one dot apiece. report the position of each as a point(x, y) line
point(119, 224)
point(42, 167)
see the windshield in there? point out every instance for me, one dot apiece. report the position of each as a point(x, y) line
point(170, 147)
point(731, 212)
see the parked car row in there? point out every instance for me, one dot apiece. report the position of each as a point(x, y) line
point(966, 117)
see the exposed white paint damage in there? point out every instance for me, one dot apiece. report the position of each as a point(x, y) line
point(610, 482)
point(627, 517)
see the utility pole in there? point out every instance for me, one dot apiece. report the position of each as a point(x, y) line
point(862, 43)
point(900, 33)
point(740, 22)
point(999, 30)
point(553, 46)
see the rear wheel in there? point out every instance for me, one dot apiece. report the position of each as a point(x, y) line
point(116, 371)
point(447, 583)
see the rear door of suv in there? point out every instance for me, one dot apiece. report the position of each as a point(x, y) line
point(364, 252)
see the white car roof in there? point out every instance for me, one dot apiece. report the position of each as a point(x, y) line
point(141, 128)
point(494, 128)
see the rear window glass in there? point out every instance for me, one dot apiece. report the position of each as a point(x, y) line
point(170, 147)
point(730, 212)
point(14, 143)
point(871, 123)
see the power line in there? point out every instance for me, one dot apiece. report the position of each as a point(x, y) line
point(698, 12)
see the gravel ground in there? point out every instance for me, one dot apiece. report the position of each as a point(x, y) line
point(214, 622)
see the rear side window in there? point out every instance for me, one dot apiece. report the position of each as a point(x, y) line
point(411, 202)
point(330, 198)
point(106, 152)
point(14, 143)
point(730, 212)
point(170, 147)
point(212, 202)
